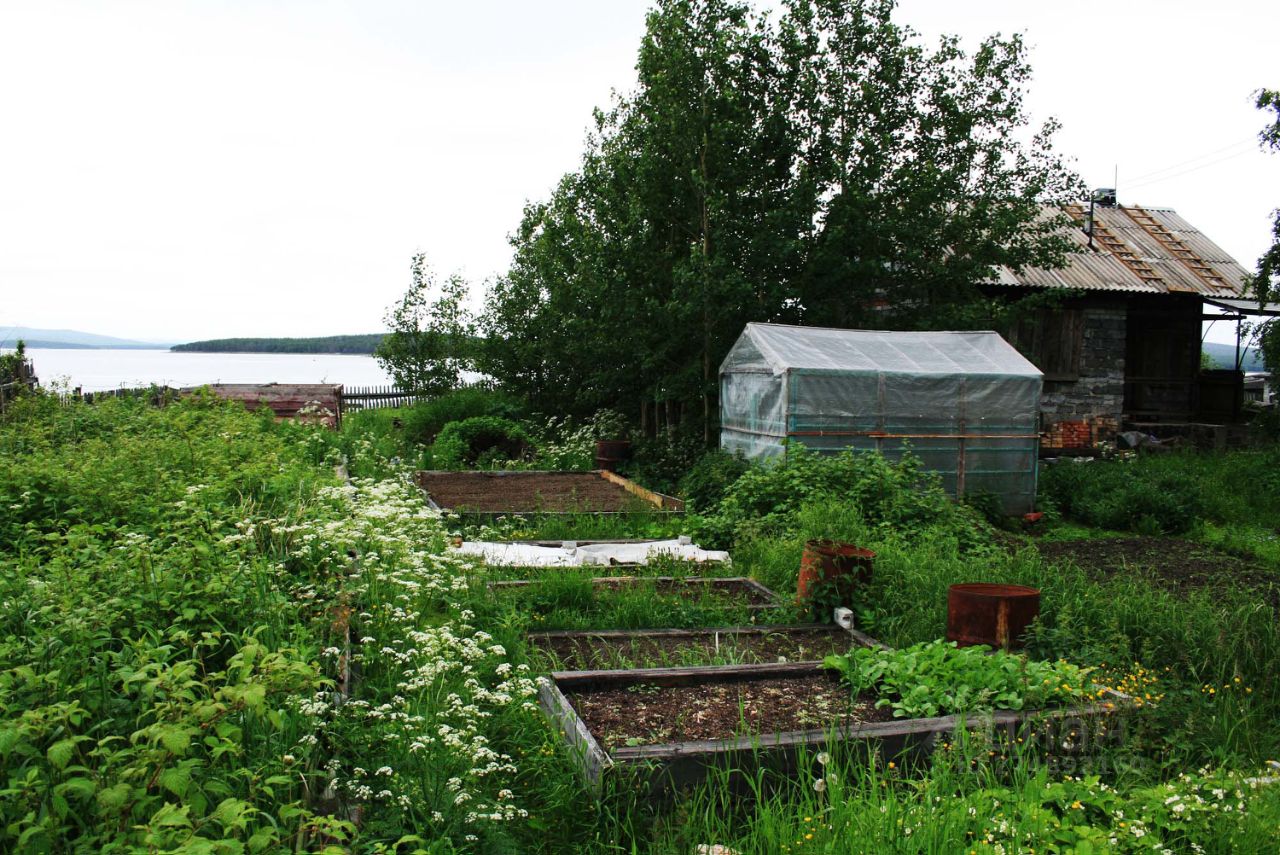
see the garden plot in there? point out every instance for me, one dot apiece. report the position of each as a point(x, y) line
point(539, 492)
point(667, 729)
point(620, 649)
point(564, 601)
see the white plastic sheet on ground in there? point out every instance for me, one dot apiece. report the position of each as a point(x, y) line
point(573, 555)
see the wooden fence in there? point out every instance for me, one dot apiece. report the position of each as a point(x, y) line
point(385, 397)
point(351, 398)
point(377, 398)
point(158, 395)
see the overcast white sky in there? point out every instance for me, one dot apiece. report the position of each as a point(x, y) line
point(180, 170)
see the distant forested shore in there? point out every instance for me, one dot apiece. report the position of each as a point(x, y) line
point(362, 344)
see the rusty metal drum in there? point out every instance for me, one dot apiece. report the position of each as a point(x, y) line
point(844, 565)
point(991, 614)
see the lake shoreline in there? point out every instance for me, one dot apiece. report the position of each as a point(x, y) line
point(105, 369)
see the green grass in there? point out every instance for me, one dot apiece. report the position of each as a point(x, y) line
point(641, 525)
point(568, 600)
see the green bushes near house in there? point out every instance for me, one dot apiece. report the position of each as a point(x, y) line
point(482, 442)
point(423, 422)
point(1167, 493)
point(899, 496)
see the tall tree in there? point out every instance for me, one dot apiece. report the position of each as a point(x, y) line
point(431, 333)
point(921, 184)
point(1266, 280)
point(825, 169)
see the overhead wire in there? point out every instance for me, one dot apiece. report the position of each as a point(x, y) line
point(1132, 184)
point(1173, 166)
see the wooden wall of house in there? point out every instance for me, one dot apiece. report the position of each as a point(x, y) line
point(1080, 347)
point(1111, 358)
point(1162, 357)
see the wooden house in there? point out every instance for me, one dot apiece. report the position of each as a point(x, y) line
point(1123, 345)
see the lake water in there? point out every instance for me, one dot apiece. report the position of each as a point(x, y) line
point(98, 370)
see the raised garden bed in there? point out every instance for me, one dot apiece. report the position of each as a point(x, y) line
point(666, 729)
point(539, 492)
point(739, 645)
point(731, 590)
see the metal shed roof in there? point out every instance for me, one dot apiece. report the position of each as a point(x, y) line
point(1141, 250)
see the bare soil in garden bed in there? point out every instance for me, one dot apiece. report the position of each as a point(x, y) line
point(528, 492)
point(645, 714)
point(1174, 563)
point(592, 652)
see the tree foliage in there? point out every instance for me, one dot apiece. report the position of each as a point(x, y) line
point(431, 330)
point(322, 344)
point(1266, 281)
point(826, 168)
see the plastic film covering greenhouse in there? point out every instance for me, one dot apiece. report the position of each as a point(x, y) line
point(965, 403)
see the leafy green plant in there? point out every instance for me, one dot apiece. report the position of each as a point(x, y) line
point(660, 462)
point(989, 506)
point(939, 678)
point(1126, 495)
point(900, 495)
point(481, 442)
point(423, 421)
point(705, 484)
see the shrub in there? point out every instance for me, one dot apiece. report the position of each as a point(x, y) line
point(563, 444)
point(481, 441)
point(1126, 496)
point(424, 421)
point(710, 478)
point(766, 498)
point(661, 462)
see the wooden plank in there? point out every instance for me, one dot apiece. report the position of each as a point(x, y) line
point(683, 675)
point(787, 739)
point(551, 635)
point(588, 756)
point(866, 640)
point(656, 499)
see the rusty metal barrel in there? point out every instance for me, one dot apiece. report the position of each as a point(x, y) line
point(612, 452)
point(833, 562)
point(991, 614)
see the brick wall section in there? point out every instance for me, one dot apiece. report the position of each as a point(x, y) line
point(1083, 413)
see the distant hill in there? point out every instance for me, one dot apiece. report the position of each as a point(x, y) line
point(1224, 356)
point(326, 344)
point(35, 337)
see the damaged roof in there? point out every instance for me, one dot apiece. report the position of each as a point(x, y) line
point(1142, 250)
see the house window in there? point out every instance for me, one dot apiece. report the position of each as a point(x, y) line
point(1051, 339)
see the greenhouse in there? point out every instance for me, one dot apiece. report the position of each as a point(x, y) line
point(965, 403)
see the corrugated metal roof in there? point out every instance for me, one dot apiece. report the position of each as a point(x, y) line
point(1171, 254)
point(1246, 307)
